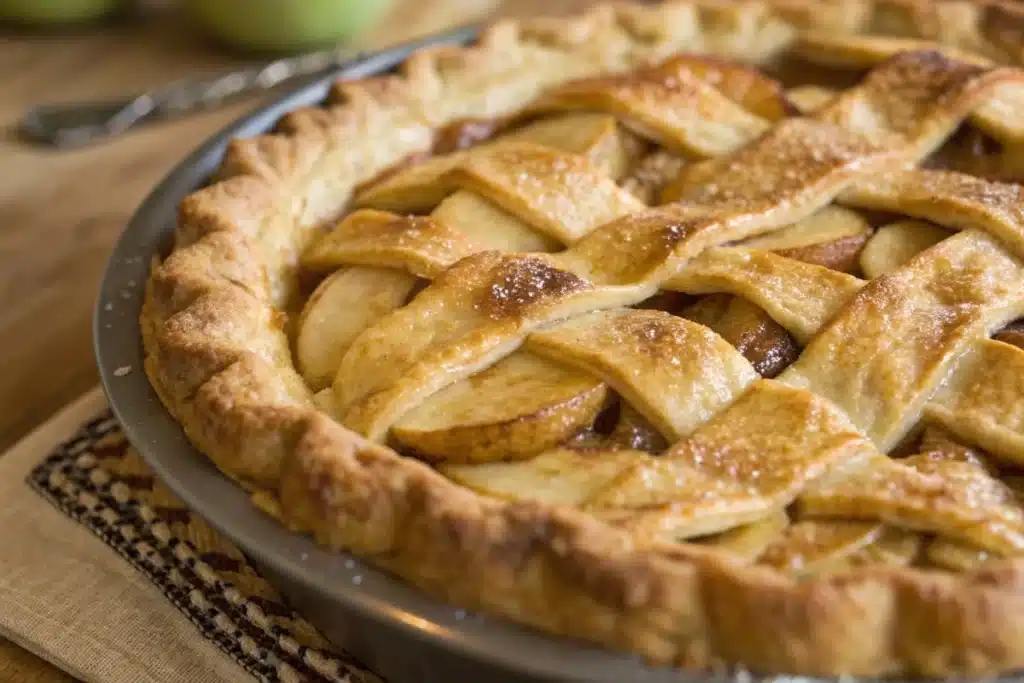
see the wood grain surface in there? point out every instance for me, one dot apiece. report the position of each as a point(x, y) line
point(61, 211)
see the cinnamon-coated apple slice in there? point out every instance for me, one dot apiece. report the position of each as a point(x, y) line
point(896, 243)
point(561, 476)
point(515, 409)
point(343, 305)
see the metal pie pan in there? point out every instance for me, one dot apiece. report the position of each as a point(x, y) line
point(391, 627)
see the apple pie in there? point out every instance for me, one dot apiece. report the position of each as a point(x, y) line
point(691, 329)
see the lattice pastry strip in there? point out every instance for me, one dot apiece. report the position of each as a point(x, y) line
point(424, 248)
point(510, 295)
point(883, 357)
point(981, 401)
point(635, 352)
point(675, 105)
point(953, 200)
point(562, 476)
point(697, 372)
point(990, 116)
point(656, 241)
point(957, 500)
point(515, 194)
point(732, 469)
point(801, 297)
point(423, 186)
point(496, 171)
point(560, 194)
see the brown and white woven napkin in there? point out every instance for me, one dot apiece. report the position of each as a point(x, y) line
point(107, 575)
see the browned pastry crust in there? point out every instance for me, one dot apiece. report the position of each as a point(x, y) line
point(218, 355)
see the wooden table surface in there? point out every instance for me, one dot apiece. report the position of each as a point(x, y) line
point(60, 211)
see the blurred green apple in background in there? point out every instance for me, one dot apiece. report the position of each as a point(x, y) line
point(284, 24)
point(60, 11)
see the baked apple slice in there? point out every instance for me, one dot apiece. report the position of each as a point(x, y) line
point(517, 408)
point(832, 237)
point(942, 552)
point(751, 540)
point(562, 476)
point(761, 340)
point(598, 137)
point(490, 226)
point(343, 305)
point(808, 98)
point(896, 243)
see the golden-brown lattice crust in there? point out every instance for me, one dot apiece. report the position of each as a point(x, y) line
point(218, 355)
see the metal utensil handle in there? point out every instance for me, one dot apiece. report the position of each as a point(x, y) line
point(190, 95)
point(74, 124)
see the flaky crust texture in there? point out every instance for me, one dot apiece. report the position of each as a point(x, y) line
point(218, 355)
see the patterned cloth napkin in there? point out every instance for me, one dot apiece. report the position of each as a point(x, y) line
point(107, 575)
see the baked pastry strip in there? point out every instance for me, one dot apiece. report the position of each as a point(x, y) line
point(624, 261)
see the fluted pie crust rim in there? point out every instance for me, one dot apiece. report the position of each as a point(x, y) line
point(218, 356)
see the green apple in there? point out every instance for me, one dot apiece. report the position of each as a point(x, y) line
point(61, 11)
point(284, 24)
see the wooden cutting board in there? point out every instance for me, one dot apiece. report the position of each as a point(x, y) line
point(60, 212)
